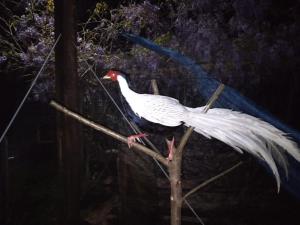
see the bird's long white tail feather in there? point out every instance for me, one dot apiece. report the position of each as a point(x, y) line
point(245, 132)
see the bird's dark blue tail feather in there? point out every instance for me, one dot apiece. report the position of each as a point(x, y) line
point(230, 98)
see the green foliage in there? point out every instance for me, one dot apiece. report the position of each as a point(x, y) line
point(101, 7)
point(163, 39)
point(50, 6)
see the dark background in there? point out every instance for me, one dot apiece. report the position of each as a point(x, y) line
point(268, 73)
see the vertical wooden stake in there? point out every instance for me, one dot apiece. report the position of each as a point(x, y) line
point(176, 189)
point(67, 91)
point(4, 183)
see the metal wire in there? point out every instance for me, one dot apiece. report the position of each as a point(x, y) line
point(134, 128)
point(132, 125)
point(136, 131)
point(194, 212)
point(111, 98)
point(29, 90)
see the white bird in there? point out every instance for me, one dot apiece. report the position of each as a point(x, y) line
point(240, 131)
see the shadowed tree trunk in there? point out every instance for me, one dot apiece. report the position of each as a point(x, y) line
point(137, 188)
point(67, 91)
point(4, 183)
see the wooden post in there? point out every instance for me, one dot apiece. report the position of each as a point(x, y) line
point(4, 183)
point(67, 92)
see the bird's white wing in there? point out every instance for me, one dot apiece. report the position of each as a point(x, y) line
point(158, 109)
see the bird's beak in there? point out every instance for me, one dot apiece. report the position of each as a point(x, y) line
point(106, 77)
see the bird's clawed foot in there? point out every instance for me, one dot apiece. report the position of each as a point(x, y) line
point(170, 148)
point(133, 138)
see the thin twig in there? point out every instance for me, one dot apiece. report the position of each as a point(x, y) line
point(184, 140)
point(108, 132)
point(214, 97)
point(209, 104)
point(205, 183)
point(154, 87)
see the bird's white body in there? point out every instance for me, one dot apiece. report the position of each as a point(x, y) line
point(154, 108)
point(240, 131)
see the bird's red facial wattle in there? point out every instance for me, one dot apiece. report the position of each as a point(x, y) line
point(111, 75)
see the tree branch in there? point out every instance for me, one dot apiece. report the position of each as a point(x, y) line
point(154, 87)
point(214, 97)
point(108, 132)
point(205, 183)
point(209, 104)
point(184, 140)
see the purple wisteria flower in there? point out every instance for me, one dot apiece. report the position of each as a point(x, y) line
point(3, 59)
point(29, 33)
point(25, 58)
point(40, 20)
point(38, 60)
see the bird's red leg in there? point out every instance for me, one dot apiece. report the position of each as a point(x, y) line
point(132, 139)
point(170, 148)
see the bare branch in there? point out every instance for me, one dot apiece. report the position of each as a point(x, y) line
point(109, 132)
point(154, 87)
point(214, 97)
point(205, 183)
point(184, 140)
point(210, 102)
